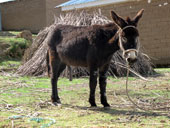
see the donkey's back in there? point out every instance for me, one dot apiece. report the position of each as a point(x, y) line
point(76, 45)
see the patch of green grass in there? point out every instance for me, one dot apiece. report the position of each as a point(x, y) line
point(14, 46)
point(4, 122)
point(14, 32)
point(162, 70)
point(12, 40)
point(114, 79)
point(120, 78)
point(6, 94)
point(65, 81)
point(22, 90)
point(150, 93)
point(12, 61)
point(20, 100)
point(9, 63)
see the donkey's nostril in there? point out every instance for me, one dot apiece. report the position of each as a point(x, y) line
point(131, 61)
point(128, 59)
point(132, 55)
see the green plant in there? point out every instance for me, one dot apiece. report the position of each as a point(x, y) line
point(17, 49)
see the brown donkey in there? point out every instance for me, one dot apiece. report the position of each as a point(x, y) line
point(91, 47)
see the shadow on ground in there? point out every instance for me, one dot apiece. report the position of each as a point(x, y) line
point(113, 111)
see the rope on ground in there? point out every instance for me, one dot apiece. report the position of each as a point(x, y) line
point(37, 119)
point(16, 117)
point(131, 70)
point(127, 76)
point(135, 104)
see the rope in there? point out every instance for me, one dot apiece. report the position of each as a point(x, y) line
point(131, 70)
point(16, 117)
point(121, 44)
point(127, 76)
point(37, 119)
point(135, 104)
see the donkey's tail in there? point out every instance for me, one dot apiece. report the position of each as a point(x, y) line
point(48, 65)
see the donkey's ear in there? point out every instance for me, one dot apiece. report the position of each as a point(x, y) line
point(138, 16)
point(118, 20)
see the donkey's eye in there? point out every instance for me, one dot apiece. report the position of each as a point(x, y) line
point(124, 39)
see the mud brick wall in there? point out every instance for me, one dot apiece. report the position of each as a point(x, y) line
point(154, 27)
point(32, 15)
point(24, 15)
point(51, 11)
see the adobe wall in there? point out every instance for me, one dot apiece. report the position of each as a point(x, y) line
point(51, 10)
point(154, 27)
point(24, 15)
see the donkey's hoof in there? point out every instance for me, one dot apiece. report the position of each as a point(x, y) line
point(57, 100)
point(107, 108)
point(57, 104)
point(106, 105)
point(93, 106)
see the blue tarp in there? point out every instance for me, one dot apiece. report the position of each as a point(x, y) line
point(3, 1)
point(74, 2)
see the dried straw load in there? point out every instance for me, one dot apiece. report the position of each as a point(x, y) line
point(34, 63)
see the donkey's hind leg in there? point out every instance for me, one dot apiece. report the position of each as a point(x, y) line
point(60, 70)
point(56, 68)
point(102, 85)
point(93, 84)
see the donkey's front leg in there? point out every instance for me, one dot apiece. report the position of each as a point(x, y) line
point(102, 83)
point(93, 83)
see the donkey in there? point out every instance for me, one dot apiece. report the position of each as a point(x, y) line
point(91, 47)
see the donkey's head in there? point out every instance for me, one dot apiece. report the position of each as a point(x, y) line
point(128, 35)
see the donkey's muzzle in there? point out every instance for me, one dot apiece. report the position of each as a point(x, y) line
point(130, 55)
